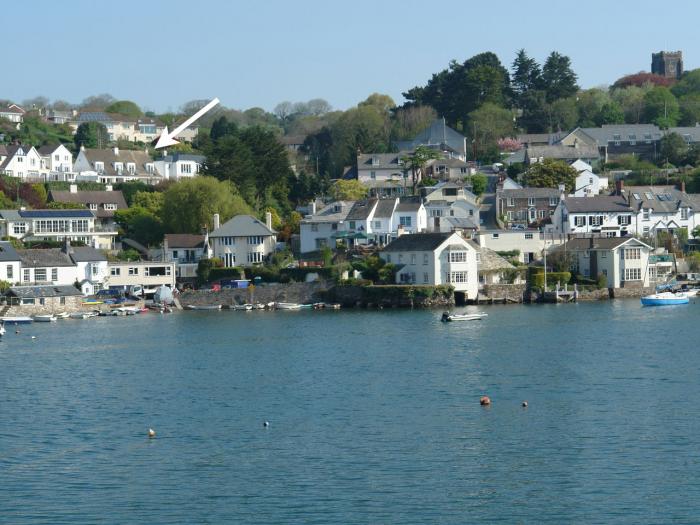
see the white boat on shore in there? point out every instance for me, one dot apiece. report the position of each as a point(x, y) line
point(62, 315)
point(203, 307)
point(47, 318)
point(448, 317)
point(288, 306)
point(242, 307)
point(83, 315)
point(17, 319)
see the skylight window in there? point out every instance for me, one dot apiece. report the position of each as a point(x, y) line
point(636, 196)
point(649, 195)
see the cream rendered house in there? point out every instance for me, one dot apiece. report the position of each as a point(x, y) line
point(243, 240)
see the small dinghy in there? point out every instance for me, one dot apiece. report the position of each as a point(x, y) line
point(245, 307)
point(203, 307)
point(447, 317)
point(48, 318)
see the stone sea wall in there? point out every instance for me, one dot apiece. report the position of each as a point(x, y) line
point(391, 296)
point(303, 293)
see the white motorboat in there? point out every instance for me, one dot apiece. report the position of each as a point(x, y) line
point(2, 329)
point(62, 315)
point(448, 317)
point(47, 318)
point(287, 306)
point(17, 320)
point(245, 307)
point(203, 307)
point(83, 315)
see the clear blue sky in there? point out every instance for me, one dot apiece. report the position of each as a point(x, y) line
point(161, 54)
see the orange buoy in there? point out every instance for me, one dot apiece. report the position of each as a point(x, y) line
point(485, 401)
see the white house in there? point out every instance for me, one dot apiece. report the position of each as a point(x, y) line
point(48, 266)
point(149, 274)
point(56, 225)
point(385, 174)
point(102, 203)
point(13, 113)
point(449, 201)
point(91, 267)
point(321, 229)
point(605, 215)
point(186, 250)
point(380, 220)
point(435, 259)
point(179, 165)
point(529, 244)
point(10, 263)
point(624, 261)
point(588, 183)
point(23, 162)
point(57, 162)
point(661, 209)
point(243, 240)
point(112, 165)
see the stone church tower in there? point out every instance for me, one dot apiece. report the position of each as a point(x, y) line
point(668, 64)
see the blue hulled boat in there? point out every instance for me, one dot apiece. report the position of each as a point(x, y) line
point(664, 298)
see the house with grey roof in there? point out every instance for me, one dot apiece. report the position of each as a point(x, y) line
point(46, 299)
point(603, 215)
point(616, 140)
point(385, 174)
point(440, 137)
point(527, 206)
point(112, 166)
point(10, 263)
point(450, 206)
point(103, 204)
point(75, 225)
point(321, 228)
point(185, 250)
point(23, 162)
point(243, 240)
point(179, 165)
point(378, 221)
point(447, 169)
point(623, 261)
point(13, 113)
point(562, 152)
point(435, 259)
point(661, 209)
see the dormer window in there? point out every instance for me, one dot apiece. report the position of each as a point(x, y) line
point(92, 206)
point(149, 167)
point(118, 167)
point(99, 166)
point(131, 167)
point(375, 161)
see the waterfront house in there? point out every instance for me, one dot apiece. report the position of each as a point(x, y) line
point(112, 165)
point(243, 240)
point(10, 263)
point(493, 269)
point(448, 201)
point(525, 245)
point(102, 203)
point(44, 299)
point(527, 206)
point(661, 209)
point(186, 250)
point(91, 267)
point(319, 229)
point(179, 165)
point(624, 261)
point(23, 162)
point(435, 259)
point(605, 215)
point(76, 225)
point(47, 266)
point(148, 274)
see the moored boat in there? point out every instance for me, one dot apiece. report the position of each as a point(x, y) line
point(287, 306)
point(448, 317)
point(664, 299)
point(245, 307)
point(62, 315)
point(46, 318)
point(203, 307)
point(2, 329)
point(17, 320)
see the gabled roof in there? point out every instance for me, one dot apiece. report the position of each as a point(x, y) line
point(597, 243)
point(92, 197)
point(176, 157)
point(609, 132)
point(664, 199)
point(86, 254)
point(184, 240)
point(409, 204)
point(12, 108)
point(242, 226)
point(380, 161)
point(385, 208)
point(361, 210)
point(491, 261)
point(597, 203)
point(8, 252)
point(44, 258)
point(335, 212)
point(29, 292)
point(562, 152)
point(14, 149)
point(437, 134)
point(417, 242)
point(525, 193)
point(108, 157)
point(48, 149)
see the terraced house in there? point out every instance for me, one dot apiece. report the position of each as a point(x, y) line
point(527, 206)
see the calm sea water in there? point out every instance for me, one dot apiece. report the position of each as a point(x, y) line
point(374, 417)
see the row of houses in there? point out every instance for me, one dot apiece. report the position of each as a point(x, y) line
point(108, 166)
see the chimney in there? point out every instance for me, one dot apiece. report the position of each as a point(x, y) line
point(82, 147)
point(115, 149)
point(216, 222)
point(619, 186)
point(108, 187)
point(268, 220)
point(683, 186)
point(312, 207)
point(74, 188)
point(67, 247)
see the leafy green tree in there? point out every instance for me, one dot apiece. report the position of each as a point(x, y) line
point(558, 79)
point(140, 224)
point(689, 83)
point(631, 101)
point(91, 135)
point(536, 112)
point(189, 206)
point(610, 113)
point(563, 114)
point(417, 160)
point(126, 108)
point(589, 103)
point(384, 104)
point(690, 109)
point(347, 190)
point(408, 121)
point(673, 149)
point(490, 122)
point(149, 200)
point(661, 107)
point(550, 173)
point(130, 189)
point(479, 181)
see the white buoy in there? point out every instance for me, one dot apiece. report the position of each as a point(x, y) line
point(33, 337)
point(524, 404)
point(151, 433)
point(266, 424)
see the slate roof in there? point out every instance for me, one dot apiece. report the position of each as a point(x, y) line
point(8, 252)
point(409, 204)
point(242, 226)
point(417, 242)
point(361, 210)
point(20, 215)
point(385, 208)
point(541, 138)
point(606, 133)
point(48, 149)
point(329, 213)
point(491, 261)
point(438, 133)
point(597, 203)
point(461, 222)
point(562, 152)
point(44, 258)
point(86, 254)
point(107, 156)
point(184, 240)
point(12, 150)
point(29, 292)
point(92, 197)
point(184, 156)
point(524, 193)
point(384, 161)
point(596, 243)
point(664, 199)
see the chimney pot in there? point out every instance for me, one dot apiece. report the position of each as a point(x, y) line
point(108, 187)
point(115, 150)
point(683, 186)
point(268, 220)
point(74, 188)
point(216, 221)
